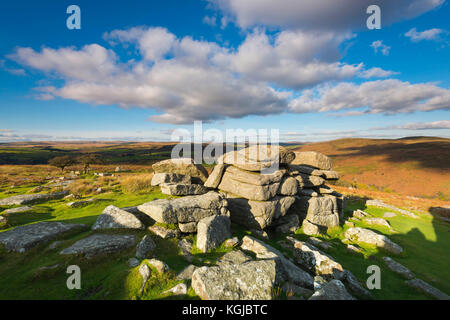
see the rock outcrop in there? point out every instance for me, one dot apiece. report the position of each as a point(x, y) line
point(32, 198)
point(184, 166)
point(186, 209)
point(21, 239)
point(115, 218)
point(371, 237)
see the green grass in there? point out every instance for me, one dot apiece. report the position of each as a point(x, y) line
point(424, 240)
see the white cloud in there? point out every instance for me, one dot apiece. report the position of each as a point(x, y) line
point(184, 79)
point(435, 125)
point(324, 14)
point(381, 96)
point(431, 34)
point(379, 45)
point(376, 73)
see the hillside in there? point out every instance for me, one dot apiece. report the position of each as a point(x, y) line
point(417, 166)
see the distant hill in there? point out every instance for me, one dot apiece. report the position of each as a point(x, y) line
point(416, 166)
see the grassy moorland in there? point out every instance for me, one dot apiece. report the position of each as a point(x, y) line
point(410, 166)
point(424, 240)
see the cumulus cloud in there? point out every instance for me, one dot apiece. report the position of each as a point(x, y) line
point(382, 96)
point(431, 34)
point(324, 14)
point(378, 45)
point(185, 79)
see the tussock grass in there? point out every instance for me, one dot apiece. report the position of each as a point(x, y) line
point(137, 183)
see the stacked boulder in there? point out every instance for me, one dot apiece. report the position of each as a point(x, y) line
point(180, 177)
point(270, 186)
point(318, 205)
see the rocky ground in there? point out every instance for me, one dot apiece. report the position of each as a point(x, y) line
point(268, 227)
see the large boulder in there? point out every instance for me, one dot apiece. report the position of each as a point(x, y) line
point(183, 189)
point(212, 231)
point(371, 237)
point(333, 290)
point(171, 178)
point(313, 159)
point(21, 239)
point(287, 269)
point(268, 153)
point(288, 186)
point(32, 198)
point(185, 166)
point(258, 214)
point(316, 261)
point(115, 218)
point(186, 209)
point(100, 244)
point(252, 280)
point(322, 211)
point(18, 210)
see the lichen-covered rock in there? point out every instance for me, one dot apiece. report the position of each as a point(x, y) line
point(307, 181)
point(185, 166)
point(333, 290)
point(288, 186)
point(427, 289)
point(170, 178)
point(321, 211)
point(216, 176)
point(234, 257)
point(164, 233)
point(18, 210)
point(179, 289)
point(371, 237)
point(398, 268)
point(253, 280)
point(183, 189)
point(287, 269)
point(145, 273)
point(378, 221)
point(212, 231)
point(32, 198)
point(21, 239)
point(186, 209)
point(250, 185)
point(115, 218)
point(145, 247)
point(186, 273)
point(189, 227)
point(258, 214)
point(159, 265)
point(287, 224)
point(311, 229)
point(316, 261)
point(100, 244)
point(313, 159)
point(353, 285)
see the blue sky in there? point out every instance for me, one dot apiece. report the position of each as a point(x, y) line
point(139, 69)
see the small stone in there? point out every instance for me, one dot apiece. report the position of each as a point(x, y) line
point(349, 224)
point(133, 262)
point(354, 286)
point(145, 247)
point(232, 242)
point(186, 273)
point(333, 290)
point(353, 248)
point(145, 272)
point(164, 233)
point(360, 214)
point(212, 231)
point(159, 265)
point(185, 246)
point(179, 289)
point(189, 227)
